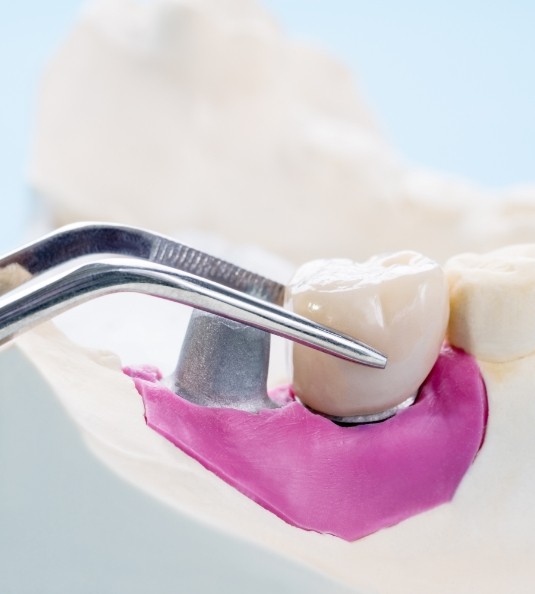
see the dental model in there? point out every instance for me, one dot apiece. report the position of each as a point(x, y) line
point(212, 112)
point(398, 302)
point(215, 407)
point(178, 114)
point(489, 518)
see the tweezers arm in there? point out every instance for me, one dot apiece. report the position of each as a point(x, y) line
point(42, 299)
point(105, 239)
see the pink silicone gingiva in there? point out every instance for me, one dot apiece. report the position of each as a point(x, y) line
point(346, 481)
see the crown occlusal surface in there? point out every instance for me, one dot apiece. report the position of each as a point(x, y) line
point(493, 303)
point(397, 303)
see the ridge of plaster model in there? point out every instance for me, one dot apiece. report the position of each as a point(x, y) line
point(202, 114)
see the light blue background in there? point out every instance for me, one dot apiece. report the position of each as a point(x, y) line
point(453, 83)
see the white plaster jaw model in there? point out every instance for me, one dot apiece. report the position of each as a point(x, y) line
point(482, 541)
point(178, 114)
point(127, 123)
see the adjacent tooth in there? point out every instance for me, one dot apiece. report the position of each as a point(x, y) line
point(492, 298)
point(398, 303)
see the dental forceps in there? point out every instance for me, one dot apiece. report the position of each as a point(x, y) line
point(164, 268)
point(94, 259)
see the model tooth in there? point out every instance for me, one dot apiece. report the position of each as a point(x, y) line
point(398, 303)
point(492, 299)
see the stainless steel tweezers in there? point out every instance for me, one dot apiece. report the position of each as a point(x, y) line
point(121, 258)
